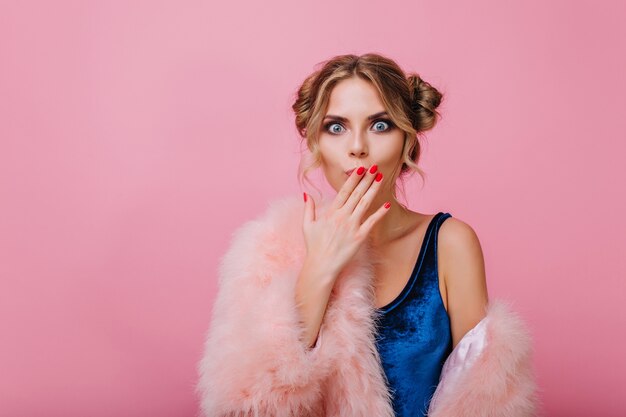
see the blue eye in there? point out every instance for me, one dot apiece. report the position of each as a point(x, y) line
point(384, 122)
point(329, 125)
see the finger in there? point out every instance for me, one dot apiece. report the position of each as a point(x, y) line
point(365, 202)
point(367, 225)
point(309, 208)
point(361, 189)
point(348, 187)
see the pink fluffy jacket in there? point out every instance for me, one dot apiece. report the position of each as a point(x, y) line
point(255, 362)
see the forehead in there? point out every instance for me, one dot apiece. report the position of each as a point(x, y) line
point(354, 97)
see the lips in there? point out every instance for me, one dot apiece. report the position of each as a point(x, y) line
point(349, 172)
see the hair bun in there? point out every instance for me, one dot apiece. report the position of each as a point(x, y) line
point(424, 102)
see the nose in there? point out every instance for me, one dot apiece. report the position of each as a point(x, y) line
point(358, 145)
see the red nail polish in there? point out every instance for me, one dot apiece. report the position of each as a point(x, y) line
point(304, 197)
point(360, 171)
point(373, 168)
point(379, 176)
point(387, 205)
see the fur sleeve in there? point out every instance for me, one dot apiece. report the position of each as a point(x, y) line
point(255, 362)
point(489, 372)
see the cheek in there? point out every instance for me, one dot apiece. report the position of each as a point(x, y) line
point(335, 178)
point(390, 153)
point(329, 171)
point(328, 154)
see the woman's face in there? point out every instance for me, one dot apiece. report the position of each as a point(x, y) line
point(356, 131)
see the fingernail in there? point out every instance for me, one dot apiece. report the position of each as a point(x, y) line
point(387, 204)
point(360, 171)
point(379, 176)
point(304, 197)
point(373, 168)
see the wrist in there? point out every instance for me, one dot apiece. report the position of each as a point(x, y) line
point(319, 271)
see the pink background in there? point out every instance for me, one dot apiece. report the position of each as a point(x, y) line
point(136, 136)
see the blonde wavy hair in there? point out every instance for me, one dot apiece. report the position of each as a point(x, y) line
point(410, 102)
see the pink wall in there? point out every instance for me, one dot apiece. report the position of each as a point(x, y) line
point(136, 138)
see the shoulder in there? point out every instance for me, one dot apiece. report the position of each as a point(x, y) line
point(457, 243)
point(454, 232)
point(462, 269)
point(266, 244)
point(278, 220)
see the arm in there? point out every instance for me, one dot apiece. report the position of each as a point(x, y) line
point(313, 290)
point(463, 271)
point(489, 371)
point(254, 360)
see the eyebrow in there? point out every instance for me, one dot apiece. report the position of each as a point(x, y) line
point(344, 119)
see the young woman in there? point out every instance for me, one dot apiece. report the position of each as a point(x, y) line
point(352, 306)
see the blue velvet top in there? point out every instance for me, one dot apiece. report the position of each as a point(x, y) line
point(414, 337)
